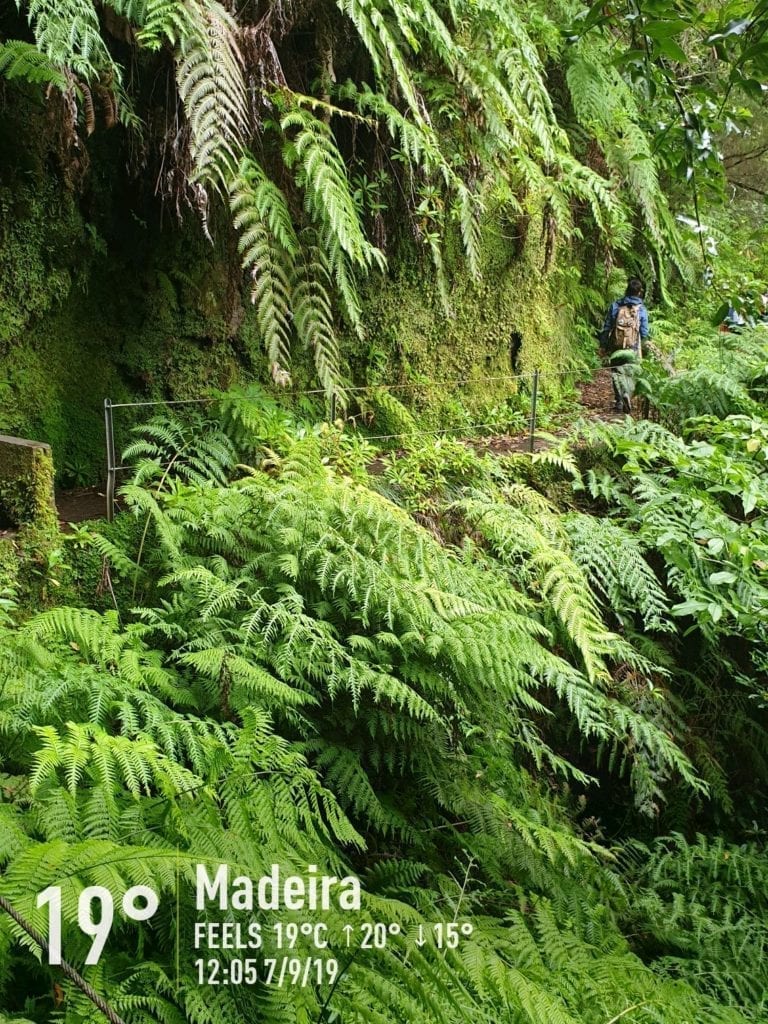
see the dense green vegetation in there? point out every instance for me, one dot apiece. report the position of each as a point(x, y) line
point(526, 694)
point(536, 702)
point(499, 162)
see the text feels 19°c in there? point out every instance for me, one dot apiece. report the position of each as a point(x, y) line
point(280, 929)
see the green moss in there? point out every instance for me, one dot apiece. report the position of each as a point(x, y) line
point(127, 338)
point(43, 247)
point(515, 319)
point(30, 561)
point(146, 329)
point(103, 296)
point(9, 564)
point(26, 485)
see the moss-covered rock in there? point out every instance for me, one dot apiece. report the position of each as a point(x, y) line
point(521, 314)
point(9, 565)
point(30, 559)
point(26, 484)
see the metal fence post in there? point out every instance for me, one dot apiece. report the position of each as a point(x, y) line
point(534, 400)
point(109, 430)
point(333, 406)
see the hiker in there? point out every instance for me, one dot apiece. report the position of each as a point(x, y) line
point(624, 332)
point(734, 320)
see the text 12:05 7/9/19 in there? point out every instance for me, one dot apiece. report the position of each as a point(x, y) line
point(278, 971)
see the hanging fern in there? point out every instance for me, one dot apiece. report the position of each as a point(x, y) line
point(23, 60)
point(328, 200)
point(483, 66)
point(312, 297)
point(210, 81)
point(605, 106)
point(268, 246)
point(69, 35)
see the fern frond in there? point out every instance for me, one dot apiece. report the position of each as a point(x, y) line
point(268, 246)
point(313, 314)
point(327, 193)
point(23, 60)
point(68, 33)
point(209, 75)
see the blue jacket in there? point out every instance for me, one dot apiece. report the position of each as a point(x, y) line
point(613, 312)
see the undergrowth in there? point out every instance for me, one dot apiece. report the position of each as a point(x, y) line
point(526, 693)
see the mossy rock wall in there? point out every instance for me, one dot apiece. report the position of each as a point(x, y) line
point(104, 295)
point(523, 313)
point(506, 323)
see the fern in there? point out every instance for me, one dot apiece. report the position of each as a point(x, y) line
point(68, 34)
point(23, 60)
point(605, 106)
point(383, 47)
point(313, 314)
point(545, 566)
point(618, 571)
point(210, 81)
point(314, 678)
point(268, 247)
point(482, 66)
point(704, 904)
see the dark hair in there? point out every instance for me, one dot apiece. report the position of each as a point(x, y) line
point(635, 286)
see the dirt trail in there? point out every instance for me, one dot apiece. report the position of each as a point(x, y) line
point(596, 397)
point(596, 403)
point(81, 504)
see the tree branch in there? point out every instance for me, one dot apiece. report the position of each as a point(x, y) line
point(737, 158)
point(66, 968)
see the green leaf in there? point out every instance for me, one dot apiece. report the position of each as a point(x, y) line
point(715, 611)
point(664, 29)
point(716, 578)
point(720, 314)
point(690, 607)
point(669, 48)
point(749, 499)
point(752, 87)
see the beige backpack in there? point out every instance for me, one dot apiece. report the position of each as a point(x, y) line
point(626, 330)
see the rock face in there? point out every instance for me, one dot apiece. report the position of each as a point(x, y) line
point(26, 483)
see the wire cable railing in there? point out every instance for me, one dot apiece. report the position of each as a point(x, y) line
point(472, 429)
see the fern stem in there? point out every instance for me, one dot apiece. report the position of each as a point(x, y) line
point(635, 1006)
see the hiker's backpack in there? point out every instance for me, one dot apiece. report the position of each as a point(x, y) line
point(626, 330)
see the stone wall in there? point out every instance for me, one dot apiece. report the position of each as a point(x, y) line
point(26, 483)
